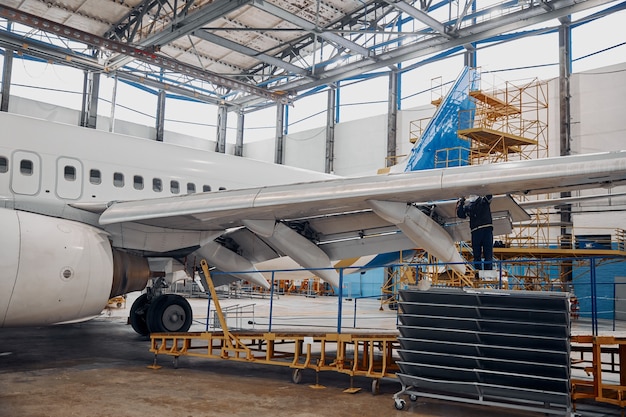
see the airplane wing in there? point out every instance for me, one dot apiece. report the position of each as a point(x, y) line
point(554, 202)
point(335, 219)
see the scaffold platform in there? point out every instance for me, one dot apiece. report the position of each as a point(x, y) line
point(367, 355)
point(491, 141)
point(495, 107)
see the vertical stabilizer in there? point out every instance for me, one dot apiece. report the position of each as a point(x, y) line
point(455, 112)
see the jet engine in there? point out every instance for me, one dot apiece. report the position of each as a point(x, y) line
point(54, 270)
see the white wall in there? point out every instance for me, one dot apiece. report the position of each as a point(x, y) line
point(599, 109)
point(44, 111)
point(306, 149)
point(405, 117)
point(262, 150)
point(360, 145)
point(65, 115)
point(598, 124)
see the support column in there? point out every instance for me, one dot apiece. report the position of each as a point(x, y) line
point(329, 166)
point(337, 102)
point(113, 104)
point(160, 116)
point(7, 70)
point(91, 91)
point(469, 57)
point(222, 117)
point(239, 139)
point(279, 156)
point(565, 69)
point(392, 118)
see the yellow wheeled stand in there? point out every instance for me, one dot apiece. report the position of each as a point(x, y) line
point(368, 355)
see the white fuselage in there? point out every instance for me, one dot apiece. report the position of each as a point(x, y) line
point(57, 263)
point(46, 167)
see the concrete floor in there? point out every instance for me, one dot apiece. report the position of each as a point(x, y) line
point(99, 368)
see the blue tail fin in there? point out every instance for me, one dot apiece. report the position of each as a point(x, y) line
point(440, 146)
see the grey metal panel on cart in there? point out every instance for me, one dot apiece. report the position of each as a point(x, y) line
point(497, 352)
point(485, 312)
point(494, 347)
point(537, 368)
point(486, 325)
point(493, 339)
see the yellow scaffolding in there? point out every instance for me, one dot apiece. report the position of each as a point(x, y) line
point(608, 354)
point(368, 355)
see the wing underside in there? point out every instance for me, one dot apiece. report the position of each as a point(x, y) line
point(318, 223)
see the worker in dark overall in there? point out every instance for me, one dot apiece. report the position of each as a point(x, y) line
point(478, 209)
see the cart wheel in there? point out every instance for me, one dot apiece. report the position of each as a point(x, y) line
point(375, 386)
point(296, 376)
point(413, 397)
point(400, 404)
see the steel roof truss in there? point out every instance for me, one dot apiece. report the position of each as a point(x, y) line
point(310, 27)
point(242, 49)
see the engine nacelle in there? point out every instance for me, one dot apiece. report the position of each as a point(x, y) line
point(54, 270)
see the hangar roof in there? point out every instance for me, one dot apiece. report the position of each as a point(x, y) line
point(247, 53)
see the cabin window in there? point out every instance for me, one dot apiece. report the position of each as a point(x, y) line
point(4, 164)
point(138, 182)
point(26, 167)
point(191, 188)
point(69, 173)
point(157, 185)
point(95, 177)
point(118, 179)
point(222, 188)
point(174, 187)
point(206, 188)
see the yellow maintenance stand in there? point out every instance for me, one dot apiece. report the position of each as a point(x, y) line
point(368, 355)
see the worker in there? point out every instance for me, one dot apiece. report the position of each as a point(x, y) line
point(478, 209)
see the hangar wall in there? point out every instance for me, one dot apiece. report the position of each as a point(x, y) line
point(360, 145)
point(599, 110)
point(598, 124)
point(59, 114)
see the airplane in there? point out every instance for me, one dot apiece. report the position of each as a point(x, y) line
point(88, 215)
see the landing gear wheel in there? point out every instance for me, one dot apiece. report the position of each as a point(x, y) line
point(296, 376)
point(169, 313)
point(400, 404)
point(138, 315)
point(375, 386)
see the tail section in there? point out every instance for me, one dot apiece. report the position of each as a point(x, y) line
point(455, 112)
